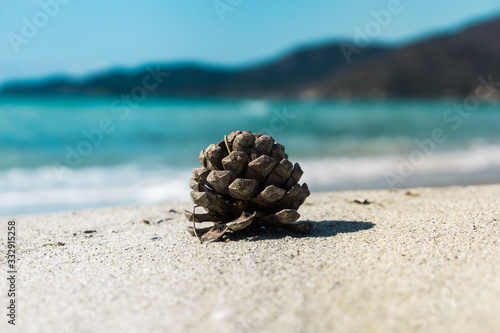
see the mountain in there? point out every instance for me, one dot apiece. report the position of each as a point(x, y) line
point(446, 65)
point(276, 78)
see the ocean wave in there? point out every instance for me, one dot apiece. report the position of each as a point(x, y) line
point(478, 164)
point(41, 190)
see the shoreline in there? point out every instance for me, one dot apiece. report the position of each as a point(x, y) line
point(410, 260)
point(187, 203)
point(151, 187)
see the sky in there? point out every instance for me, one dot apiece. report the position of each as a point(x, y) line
point(68, 37)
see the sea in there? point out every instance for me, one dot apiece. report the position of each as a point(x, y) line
point(72, 153)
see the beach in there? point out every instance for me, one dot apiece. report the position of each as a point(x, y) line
point(425, 259)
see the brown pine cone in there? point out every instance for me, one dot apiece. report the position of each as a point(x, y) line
point(246, 181)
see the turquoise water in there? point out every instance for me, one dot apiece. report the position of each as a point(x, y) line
point(76, 153)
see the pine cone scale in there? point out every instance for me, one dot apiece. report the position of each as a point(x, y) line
point(243, 189)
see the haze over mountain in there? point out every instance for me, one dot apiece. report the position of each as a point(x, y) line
point(446, 65)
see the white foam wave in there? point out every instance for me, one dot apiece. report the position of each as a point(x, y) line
point(40, 190)
point(479, 164)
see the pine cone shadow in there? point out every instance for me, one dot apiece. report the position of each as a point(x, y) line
point(320, 229)
point(331, 228)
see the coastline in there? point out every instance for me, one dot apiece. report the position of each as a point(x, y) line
point(340, 144)
point(29, 191)
point(410, 260)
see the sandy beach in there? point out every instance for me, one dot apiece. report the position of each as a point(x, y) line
point(419, 260)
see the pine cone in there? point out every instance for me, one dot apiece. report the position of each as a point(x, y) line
point(246, 181)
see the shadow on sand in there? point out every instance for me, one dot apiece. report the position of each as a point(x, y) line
point(321, 229)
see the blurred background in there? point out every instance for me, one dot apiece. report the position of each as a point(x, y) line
point(109, 103)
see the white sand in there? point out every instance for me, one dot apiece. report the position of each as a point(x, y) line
point(425, 262)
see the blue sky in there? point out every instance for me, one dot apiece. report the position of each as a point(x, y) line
point(81, 37)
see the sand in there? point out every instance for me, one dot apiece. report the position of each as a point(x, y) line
point(423, 261)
